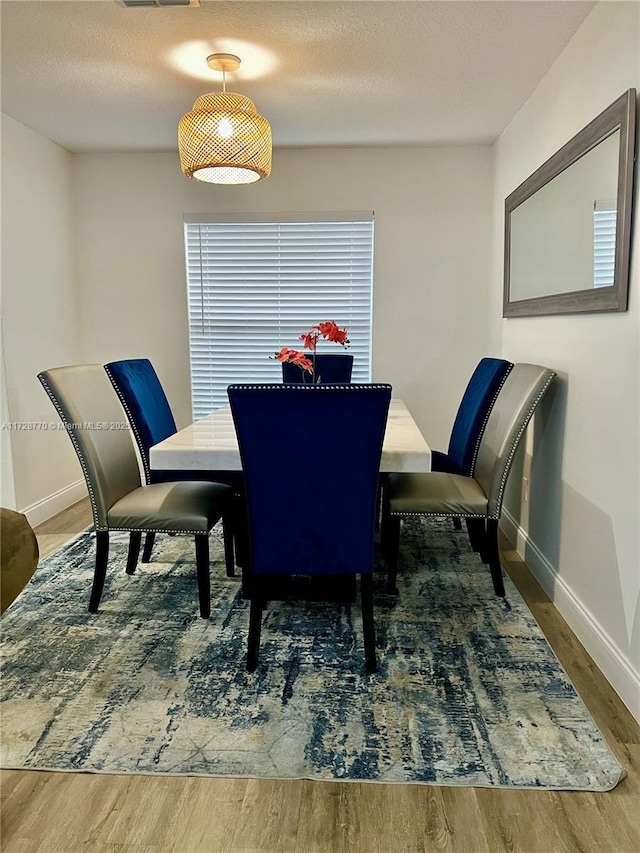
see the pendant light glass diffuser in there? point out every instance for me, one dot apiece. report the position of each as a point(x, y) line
point(223, 140)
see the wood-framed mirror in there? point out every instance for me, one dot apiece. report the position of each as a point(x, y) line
point(568, 226)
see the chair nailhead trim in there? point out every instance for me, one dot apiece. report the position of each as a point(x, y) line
point(516, 439)
point(441, 515)
point(287, 387)
point(156, 530)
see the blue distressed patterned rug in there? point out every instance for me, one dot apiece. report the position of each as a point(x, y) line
point(468, 691)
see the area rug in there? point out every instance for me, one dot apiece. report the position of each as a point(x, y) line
point(468, 691)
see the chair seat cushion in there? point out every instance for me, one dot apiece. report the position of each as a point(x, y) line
point(180, 507)
point(437, 493)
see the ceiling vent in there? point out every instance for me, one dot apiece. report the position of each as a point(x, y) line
point(136, 3)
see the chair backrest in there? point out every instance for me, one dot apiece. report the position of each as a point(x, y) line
point(93, 418)
point(473, 413)
point(145, 403)
point(311, 460)
point(329, 368)
point(523, 389)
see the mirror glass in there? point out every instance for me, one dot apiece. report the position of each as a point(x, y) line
point(567, 227)
point(563, 236)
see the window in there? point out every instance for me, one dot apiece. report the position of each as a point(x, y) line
point(255, 285)
point(604, 243)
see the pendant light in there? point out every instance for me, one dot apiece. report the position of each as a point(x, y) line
point(223, 140)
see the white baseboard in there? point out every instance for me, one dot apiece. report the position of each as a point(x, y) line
point(55, 503)
point(613, 663)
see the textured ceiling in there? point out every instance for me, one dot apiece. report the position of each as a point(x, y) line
point(97, 76)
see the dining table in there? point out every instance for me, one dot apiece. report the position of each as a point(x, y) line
point(210, 443)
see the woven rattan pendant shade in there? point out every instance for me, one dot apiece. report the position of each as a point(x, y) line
point(223, 140)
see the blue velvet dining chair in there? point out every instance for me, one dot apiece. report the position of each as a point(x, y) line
point(151, 420)
point(311, 460)
point(329, 368)
point(474, 410)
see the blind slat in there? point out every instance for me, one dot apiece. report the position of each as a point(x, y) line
point(604, 245)
point(254, 287)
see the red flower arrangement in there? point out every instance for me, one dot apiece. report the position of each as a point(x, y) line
point(328, 330)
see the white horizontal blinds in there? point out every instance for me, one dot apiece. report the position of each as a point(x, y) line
point(254, 287)
point(604, 243)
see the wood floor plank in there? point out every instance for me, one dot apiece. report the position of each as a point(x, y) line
point(524, 822)
point(52, 534)
point(350, 817)
point(268, 817)
point(358, 819)
point(19, 791)
point(62, 811)
point(463, 813)
point(145, 813)
point(71, 521)
point(220, 800)
point(44, 812)
point(322, 826)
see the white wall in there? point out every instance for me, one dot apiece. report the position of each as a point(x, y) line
point(580, 528)
point(40, 312)
point(432, 237)
point(107, 279)
point(7, 484)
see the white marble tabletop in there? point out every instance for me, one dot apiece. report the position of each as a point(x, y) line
point(211, 443)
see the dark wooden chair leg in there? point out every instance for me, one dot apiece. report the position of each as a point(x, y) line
point(149, 540)
point(393, 551)
point(384, 531)
point(368, 631)
point(457, 522)
point(494, 556)
point(240, 532)
point(255, 626)
point(381, 501)
point(484, 550)
point(476, 531)
point(484, 546)
point(100, 571)
point(202, 570)
point(228, 531)
point(135, 539)
point(385, 517)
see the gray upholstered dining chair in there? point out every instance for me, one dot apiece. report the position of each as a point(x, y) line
point(480, 496)
point(473, 412)
point(93, 418)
